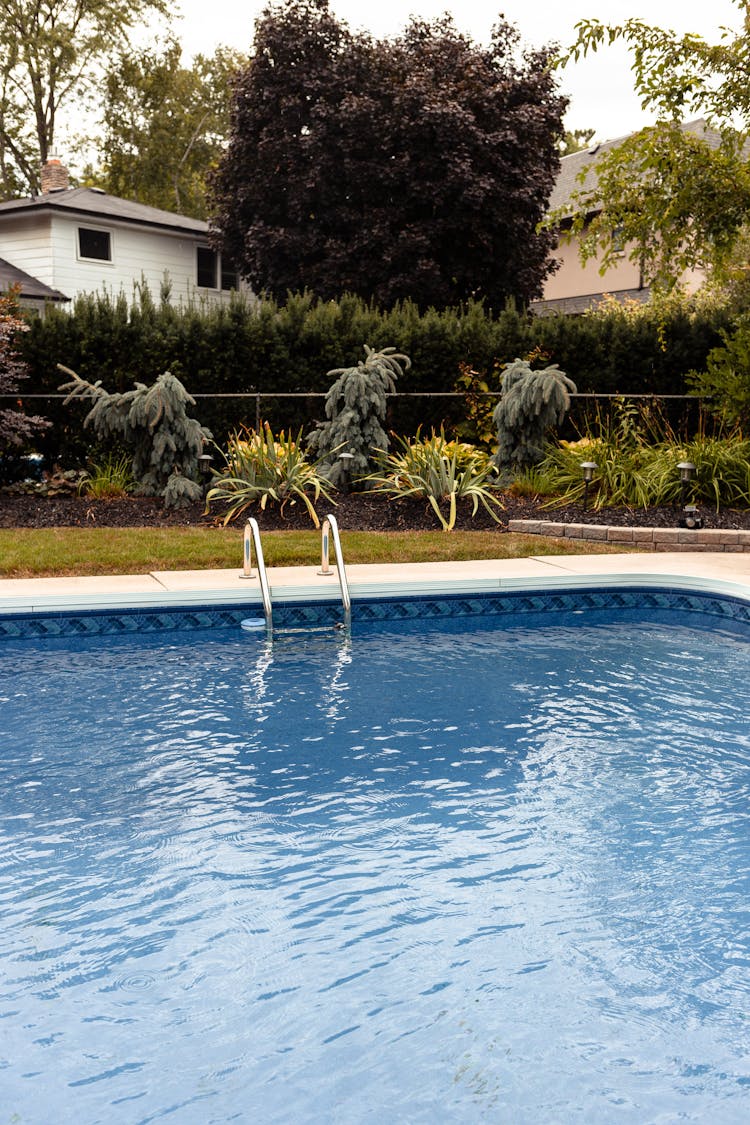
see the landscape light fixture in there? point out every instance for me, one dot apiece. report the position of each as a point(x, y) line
point(588, 468)
point(346, 464)
point(687, 472)
point(205, 461)
point(690, 517)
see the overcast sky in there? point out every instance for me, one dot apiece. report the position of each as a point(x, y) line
point(600, 88)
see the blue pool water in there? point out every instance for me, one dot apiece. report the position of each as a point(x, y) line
point(436, 872)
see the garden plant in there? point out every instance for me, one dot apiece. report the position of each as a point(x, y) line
point(441, 472)
point(16, 428)
point(356, 409)
point(154, 422)
point(637, 454)
point(262, 469)
point(531, 403)
point(109, 478)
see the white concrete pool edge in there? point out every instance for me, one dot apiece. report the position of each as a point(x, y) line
point(718, 573)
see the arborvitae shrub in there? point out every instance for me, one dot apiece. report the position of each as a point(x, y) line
point(282, 348)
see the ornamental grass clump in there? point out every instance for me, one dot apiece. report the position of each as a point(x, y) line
point(109, 479)
point(441, 472)
point(637, 456)
point(355, 408)
point(262, 469)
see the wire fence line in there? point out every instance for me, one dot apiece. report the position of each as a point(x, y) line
point(260, 396)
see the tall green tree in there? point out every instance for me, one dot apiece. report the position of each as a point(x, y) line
point(51, 58)
point(414, 167)
point(165, 125)
point(678, 198)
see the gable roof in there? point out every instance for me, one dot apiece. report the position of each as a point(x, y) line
point(30, 287)
point(93, 203)
point(584, 163)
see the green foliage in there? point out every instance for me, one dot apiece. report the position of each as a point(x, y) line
point(16, 428)
point(409, 168)
point(355, 408)
point(637, 455)
point(52, 56)
point(154, 422)
point(726, 381)
point(110, 478)
point(289, 347)
point(261, 468)
point(677, 199)
point(575, 140)
point(165, 126)
point(531, 403)
point(441, 471)
point(476, 424)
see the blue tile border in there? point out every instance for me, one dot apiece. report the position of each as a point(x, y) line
point(504, 605)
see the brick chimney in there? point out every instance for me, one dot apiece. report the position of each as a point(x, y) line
point(54, 175)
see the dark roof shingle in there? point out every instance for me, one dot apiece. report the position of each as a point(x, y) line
point(94, 203)
point(29, 287)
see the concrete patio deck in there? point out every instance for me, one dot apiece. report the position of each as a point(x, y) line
point(715, 573)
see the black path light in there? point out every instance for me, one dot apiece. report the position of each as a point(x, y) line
point(690, 517)
point(205, 462)
point(588, 468)
point(346, 466)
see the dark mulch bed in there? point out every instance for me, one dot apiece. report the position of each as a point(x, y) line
point(355, 512)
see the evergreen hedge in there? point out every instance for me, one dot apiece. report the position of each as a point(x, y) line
point(290, 347)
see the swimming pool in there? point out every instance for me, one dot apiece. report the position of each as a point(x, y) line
point(476, 862)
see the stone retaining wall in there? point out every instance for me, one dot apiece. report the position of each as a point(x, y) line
point(644, 538)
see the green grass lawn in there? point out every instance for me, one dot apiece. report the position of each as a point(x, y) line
point(29, 553)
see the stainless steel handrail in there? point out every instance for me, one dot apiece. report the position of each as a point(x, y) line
point(252, 539)
point(330, 525)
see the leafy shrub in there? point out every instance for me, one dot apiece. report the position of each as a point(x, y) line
point(531, 402)
point(15, 427)
point(153, 420)
point(261, 469)
point(440, 471)
point(726, 381)
point(268, 346)
point(355, 408)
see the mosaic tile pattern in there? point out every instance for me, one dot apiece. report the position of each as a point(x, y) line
point(312, 615)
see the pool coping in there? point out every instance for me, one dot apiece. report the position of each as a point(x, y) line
point(718, 573)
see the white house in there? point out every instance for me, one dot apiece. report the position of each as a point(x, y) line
point(67, 241)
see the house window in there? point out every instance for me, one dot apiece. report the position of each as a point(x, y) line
point(213, 273)
point(95, 244)
point(618, 241)
point(208, 267)
point(229, 278)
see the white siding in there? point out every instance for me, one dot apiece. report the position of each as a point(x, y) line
point(138, 254)
point(46, 246)
point(25, 242)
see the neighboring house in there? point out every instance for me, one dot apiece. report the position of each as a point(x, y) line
point(577, 286)
point(32, 294)
point(67, 241)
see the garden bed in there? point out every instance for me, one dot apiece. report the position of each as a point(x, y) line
point(355, 512)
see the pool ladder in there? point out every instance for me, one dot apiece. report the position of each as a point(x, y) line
point(329, 532)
